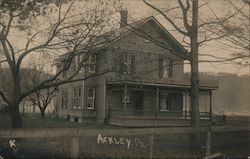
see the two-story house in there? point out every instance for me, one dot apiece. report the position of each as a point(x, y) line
point(146, 87)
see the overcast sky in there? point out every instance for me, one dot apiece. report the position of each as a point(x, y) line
point(137, 10)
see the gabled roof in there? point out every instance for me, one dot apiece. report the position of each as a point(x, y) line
point(107, 38)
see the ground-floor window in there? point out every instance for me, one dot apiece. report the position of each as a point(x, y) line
point(91, 98)
point(77, 98)
point(171, 101)
point(64, 98)
point(165, 102)
point(138, 100)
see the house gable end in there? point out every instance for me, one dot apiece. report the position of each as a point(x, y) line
point(151, 30)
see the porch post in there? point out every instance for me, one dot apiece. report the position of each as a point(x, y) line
point(210, 104)
point(186, 93)
point(157, 104)
point(125, 99)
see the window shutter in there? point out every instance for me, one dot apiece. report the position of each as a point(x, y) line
point(160, 67)
point(122, 63)
point(132, 64)
point(171, 64)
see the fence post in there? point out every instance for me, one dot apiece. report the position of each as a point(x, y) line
point(75, 147)
point(151, 145)
point(208, 143)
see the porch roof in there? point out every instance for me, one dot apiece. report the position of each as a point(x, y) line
point(204, 84)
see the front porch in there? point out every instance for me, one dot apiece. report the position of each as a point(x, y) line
point(140, 105)
point(149, 119)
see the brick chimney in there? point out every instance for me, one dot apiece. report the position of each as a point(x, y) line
point(124, 18)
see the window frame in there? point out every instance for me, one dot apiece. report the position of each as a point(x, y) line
point(165, 68)
point(167, 103)
point(64, 99)
point(65, 73)
point(92, 98)
point(128, 62)
point(92, 63)
point(77, 98)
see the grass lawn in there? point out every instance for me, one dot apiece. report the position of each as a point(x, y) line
point(233, 144)
point(35, 121)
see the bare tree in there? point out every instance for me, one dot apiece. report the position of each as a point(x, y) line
point(186, 21)
point(190, 30)
point(234, 32)
point(237, 29)
point(42, 99)
point(48, 28)
point(33, 76)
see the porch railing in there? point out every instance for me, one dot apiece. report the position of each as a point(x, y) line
point(154, 114)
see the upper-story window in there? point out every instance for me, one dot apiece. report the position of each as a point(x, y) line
point(81, 61)
point(74, 64)
point(58, 67)
point(65, 68)
point(92, 63)
point(64, 98)
point(165, 68)
point(77, 98)
point(128, 64)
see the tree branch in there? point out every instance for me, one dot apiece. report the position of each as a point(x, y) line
point(7, 30)
point(53, 34)
point(218, 20)
point(6, 51)
point(4, 97)
point(165, 16)
point(226, 60)
point(184, 13)
point(60, 82)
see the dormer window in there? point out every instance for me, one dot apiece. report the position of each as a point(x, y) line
point(147, 40)
point(165, 68)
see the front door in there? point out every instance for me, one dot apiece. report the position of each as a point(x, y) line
point(138, 97)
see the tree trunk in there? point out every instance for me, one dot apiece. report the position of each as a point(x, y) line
point(34, 108)
point(195, 114)
point(16, 118)
point(42, 113)
point(14, 106)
